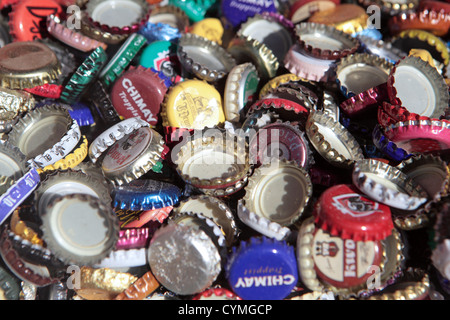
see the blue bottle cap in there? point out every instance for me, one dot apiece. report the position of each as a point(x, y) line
point(262, 269)
point(159, 32)
point(81, 113)
point(146, 194)
point(238, 11)
point(372, 33)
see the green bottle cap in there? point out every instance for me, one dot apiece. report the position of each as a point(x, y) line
point(122, 59)
point(84, 75)
point(195, 9)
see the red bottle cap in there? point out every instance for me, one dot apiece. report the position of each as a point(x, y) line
point(139, 93)
point(27, 18)
point(344, 211)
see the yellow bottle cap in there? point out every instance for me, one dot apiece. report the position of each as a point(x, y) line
point(209, 28)
point(422, 54)
point(192, 104)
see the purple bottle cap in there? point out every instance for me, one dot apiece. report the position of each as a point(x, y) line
point(238, 11)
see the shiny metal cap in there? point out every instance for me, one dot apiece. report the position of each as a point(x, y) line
point(332, 140)
point(388, 185)
point(204, 58)
point(132, 156)
point(183, 258)
point(79, 228)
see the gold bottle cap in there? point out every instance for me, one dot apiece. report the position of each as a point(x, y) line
point(15, 101)
point(279, 191)
point(103, 283)
point(192, 104)
point(332, 140)
point(209, 28)
point(20, 228)
point(27, 65)
point(277, 81)
point(215, 164)
point(140, 289)
point(245, 49)
point(349, 18)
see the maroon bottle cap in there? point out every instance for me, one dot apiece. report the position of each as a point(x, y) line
point(139, 93)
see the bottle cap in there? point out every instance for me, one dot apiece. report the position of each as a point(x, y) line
point(204, 58)
point(139, 92)
point(428, 171)
point(308, 67)
point(192, 104)
point(37, 255)
point(122, 59)
point(381, 48)
point(332, 140)
point(21, 225)
point(294, 191)
point(396, 189)
point(119, 17)
point(101, 103)
point(301, 10)
point(420, 39)
point(27, 64)
point(169, 15)
point(196, 11)
point(124, 258)
point(245, 49)
point(45, 135)
point(436, 22)
point(15, 102)
point(276, 82)
point(26, 17)
point(411, 75)
point(103, 283)
point(161, 56)
point(83, 76)
point(214, 209)
point(274, 32)
point(133, 238)
point(209, 28)
point(194, 261)
point(95, 32)
point(287, 110)
point(64, 222)
point(419, 136)
point(218, 167)
point(9, 288)
point(240, 89)
point(262, 269)
point(62, 183)
point(140, 289)
point(388, 147)
point(36, 275)
point(296, 93)
point(71, 37)
point(413, 285)
point(392, 7)
point(365, 100)
point(360, 72)
point(345, 212)
point(284, 140)
point(133, 156)
point(217, 293)
point(137, 219)
point(74, 158)
point(238, 11)
point(146, 195)
point(113, 134)
point(331, 45)
point(347, 17)
point(343, 265)
point(18, 193)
